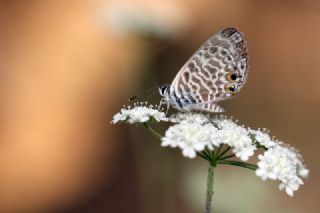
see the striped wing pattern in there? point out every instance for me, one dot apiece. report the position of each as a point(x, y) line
point(215, 72)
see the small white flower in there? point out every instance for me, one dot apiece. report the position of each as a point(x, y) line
point(283, 164)
point(236, 137)
point(262, 138)
point(118, 117)
point(189, 117)
point(291, 185)
point(303, 171)
point(140, 113)
point(189, 137)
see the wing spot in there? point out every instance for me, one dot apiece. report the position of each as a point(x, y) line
point(194, 87)
point(198, 61)
point(186, 76)
point(191, 65)
point(223, 52)
point(209, 83)
point(214, 64)
point(194, 69)
point(212, 70)
point(187, 88)
point(206, 74)
point(213, 50)
point(195, 80)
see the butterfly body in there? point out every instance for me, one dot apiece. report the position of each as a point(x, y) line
point(215, 72)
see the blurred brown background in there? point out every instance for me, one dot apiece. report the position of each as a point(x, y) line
point(67, 66)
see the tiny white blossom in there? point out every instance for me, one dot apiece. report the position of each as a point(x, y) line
point(189, 137)
point(236, 137)
point(188, 117)
point(283, 164)
point(140, 113)
point(303, 171)
point(291, 184)
point(262, 138)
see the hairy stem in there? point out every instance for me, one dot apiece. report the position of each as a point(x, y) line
point(209, 195)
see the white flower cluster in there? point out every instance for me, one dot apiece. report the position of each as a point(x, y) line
point(284, 164)
point(140, 113)
point(194, 133)
point(236, 137)
point(190, 137)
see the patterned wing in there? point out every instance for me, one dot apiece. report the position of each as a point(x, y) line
point(216, 71)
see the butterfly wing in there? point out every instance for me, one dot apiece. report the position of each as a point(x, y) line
point(216, 71)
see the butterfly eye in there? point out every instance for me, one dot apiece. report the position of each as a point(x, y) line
point(232, 77)
point(230, 88)
point(163, 89)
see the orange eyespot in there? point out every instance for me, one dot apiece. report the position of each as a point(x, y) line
point(232, 77)
point(230, 88)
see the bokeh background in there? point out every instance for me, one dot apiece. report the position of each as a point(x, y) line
point(67, 66)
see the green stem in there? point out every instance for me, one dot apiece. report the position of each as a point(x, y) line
point(209, 195)
point(152, 131)
point(208, 155)
point(226, 157)
point(203, 156)
point(238, 163)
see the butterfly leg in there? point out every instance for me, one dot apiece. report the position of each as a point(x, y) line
point(168, 106)
point(161, 103)
point(186, 109)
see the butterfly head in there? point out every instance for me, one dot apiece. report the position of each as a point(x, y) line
point(163, 90)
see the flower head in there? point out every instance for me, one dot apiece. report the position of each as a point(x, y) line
point(235, 136)
point(194, 133)
point(189, 137)
point(140, 113)
point(200, 134)
point(197, 128)
point(284, 164)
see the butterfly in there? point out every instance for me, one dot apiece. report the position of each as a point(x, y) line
point(215, 72)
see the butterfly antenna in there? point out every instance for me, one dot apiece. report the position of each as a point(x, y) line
point(149, 91)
